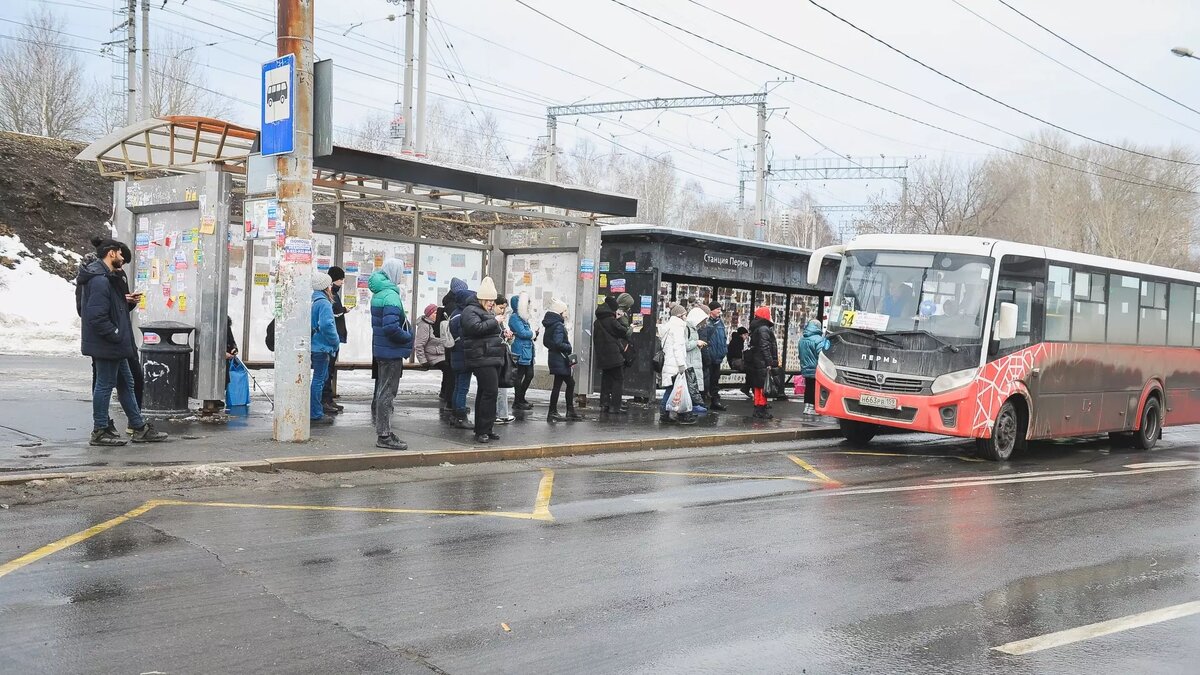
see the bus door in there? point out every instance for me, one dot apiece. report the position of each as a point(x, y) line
point(1021, 282)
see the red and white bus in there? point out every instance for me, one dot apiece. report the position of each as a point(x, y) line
point(1005, 342)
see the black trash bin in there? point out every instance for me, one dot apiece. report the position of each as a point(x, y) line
point(167, 367)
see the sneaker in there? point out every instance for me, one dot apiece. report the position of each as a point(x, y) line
point(462, 423)
point(554, 416)
point(323, 421)
point(665, 418)
point(483, 439)
point(810, 409)
point(148, 434)
point(686, 418)
point(390, 442)
point(522, 405)
point(331, 409)
point(699, 410)
point(493, 437)
point(505, 420)
point(106, 437)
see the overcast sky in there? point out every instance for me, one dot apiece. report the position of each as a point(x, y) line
point(509, 80)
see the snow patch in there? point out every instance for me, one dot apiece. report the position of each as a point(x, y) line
point(37, 308)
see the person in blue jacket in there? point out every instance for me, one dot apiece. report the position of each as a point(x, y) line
point(324, 343)
point(462, 374)
point(522, 347)
point(391, 344)
point(812, 343)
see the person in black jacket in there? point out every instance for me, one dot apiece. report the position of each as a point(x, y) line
point(737, 347)
point(558, 347)
point(761, 356)
point(483, 354)
point(107, 337)
point(610, 341)
point(339, 319)
point(135, 366)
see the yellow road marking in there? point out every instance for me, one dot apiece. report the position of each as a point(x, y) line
point(541, 507)
point(73, 539)
point(903, 454)
point(693, 474)
point(811, 469)
point(354, 509)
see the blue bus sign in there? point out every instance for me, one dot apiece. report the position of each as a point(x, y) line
point(278, 130)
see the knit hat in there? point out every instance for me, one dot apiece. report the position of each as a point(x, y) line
point(763, 313)
point(741, 330)
point(678, 310)
point(430, 309)
point(625, 300)
point(558, 306)
point(393, 269)
point(714, 305)
point(336, 273)
point(321, 281)
point(457, 285)
point(487, 289)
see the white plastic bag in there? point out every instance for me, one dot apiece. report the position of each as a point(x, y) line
point(680, 400)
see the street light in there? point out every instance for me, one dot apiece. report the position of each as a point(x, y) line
point(1184, 52)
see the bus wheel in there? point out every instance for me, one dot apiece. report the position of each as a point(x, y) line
point(1006, 434)
point(1148, 432)
point(858, 433)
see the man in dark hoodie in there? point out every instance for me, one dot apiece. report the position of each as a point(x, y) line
point(107, 337)
point(610, 341)
point(134, 366)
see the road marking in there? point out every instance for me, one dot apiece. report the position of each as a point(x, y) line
point(353, 509)
point(1150, 465)
point(811, 469)
point(1066, 637)
point(901, 454)
point(695, 474)
point(73, 539)
point(1000, 476)
point(541, 507)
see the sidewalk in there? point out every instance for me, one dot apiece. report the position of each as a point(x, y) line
point(45, 413)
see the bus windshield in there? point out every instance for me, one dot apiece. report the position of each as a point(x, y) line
point(943, 294)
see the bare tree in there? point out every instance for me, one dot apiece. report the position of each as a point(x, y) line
point(43, 90)
point(372, 133)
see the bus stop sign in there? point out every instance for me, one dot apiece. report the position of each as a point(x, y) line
point(278, 135)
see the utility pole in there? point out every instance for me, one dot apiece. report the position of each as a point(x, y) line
point(131, 62)
point(550, 174)
point(146, 112)
point(406, 144)
point(293, 281)
point(760, 175)
point(422, 50)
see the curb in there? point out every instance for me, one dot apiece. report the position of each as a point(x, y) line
point(406, 460)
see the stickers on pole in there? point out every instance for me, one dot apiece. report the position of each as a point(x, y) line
point(298, 250)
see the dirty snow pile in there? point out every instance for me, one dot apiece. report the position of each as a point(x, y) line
point(37, 308)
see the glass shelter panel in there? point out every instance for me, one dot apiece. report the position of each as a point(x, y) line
point(361, 257)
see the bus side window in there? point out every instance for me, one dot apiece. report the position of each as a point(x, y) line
point(1022, 283)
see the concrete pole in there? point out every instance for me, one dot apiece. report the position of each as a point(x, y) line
point(146, 112)
point(293, 280)
point(422, 51)
point(760, 175)
point(131, 62)
point(406, 144)
point(550, 174)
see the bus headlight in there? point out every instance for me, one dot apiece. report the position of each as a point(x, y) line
point(826, 367)
point(950, 381)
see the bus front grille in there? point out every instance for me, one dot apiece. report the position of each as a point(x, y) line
point(890, 383)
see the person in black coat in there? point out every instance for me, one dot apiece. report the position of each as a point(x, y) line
point(735, 356)
point(609, 340)
point(558, 348)
point(135, 366)
point(107, 337)
point(761, 356)
point(339, 320)
point(483, 353)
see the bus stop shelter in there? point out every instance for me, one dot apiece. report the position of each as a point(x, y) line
point(196, 204)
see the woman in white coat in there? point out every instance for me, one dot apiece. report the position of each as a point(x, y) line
point(674, 337)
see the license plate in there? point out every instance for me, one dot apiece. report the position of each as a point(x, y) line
point(878, 402)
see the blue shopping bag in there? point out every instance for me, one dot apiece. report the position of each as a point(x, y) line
point(237, 392)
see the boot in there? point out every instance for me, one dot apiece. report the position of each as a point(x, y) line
point(615, 410)
point(444, 410)
point(665, 418)
point(686, 418)
point(761, 413)
point(717, 405)
point(460, 421)
point(573, 416)
point(553, 416)
point(522, 405)
point(331, 409)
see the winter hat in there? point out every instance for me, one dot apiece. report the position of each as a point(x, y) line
point(558, 306)
point(430, 309)
point(678, 310)
point(714, 305)
point(321, 281)
point(103, 246)
point(625, 300)
point(741, 330)
point(457, 285)
point(336, 273)
point(487, 290)
point(393, 269)
point(763, 313)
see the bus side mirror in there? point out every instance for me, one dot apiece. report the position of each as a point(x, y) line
point(1006, 325)
point(819, 256)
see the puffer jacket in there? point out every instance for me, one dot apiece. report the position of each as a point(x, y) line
point(557, 343)
point(428, 348)
point(673, 335)
point(713, 332)
point(391, 337)
point(608, 336)
point(518, 323)
point(695, 357)
point(483, 345)
point(107, 331)
point(811, 346)
point(324, 329)
point(762, 353)
point(462, 298)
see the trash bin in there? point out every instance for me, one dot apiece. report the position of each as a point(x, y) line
point(166, 367)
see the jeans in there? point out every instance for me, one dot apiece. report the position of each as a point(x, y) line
point(524, 379)
point(712, 382)
point(327, 393)
point(487, 381)
point(320, 365)
point(446, 393)
point(462, 384)
point(110, 374)
point(139, 384)
point(390, 371)
point(502, 403)
point(612, 387)
point(559, 381)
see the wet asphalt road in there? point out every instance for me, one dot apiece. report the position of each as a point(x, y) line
point(749, 562)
